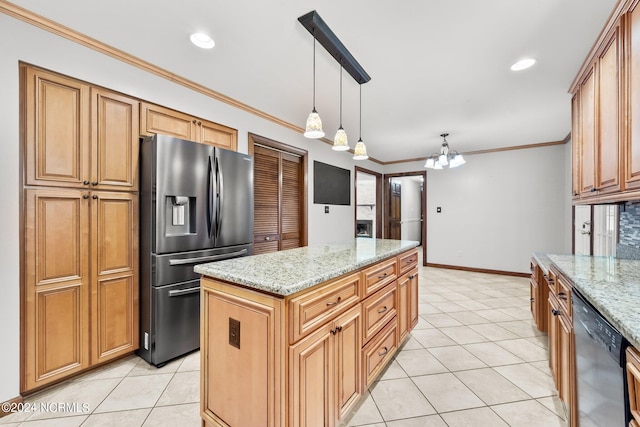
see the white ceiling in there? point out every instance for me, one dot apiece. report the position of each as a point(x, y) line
point(436, 65)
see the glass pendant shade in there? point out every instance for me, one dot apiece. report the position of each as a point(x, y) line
point(459, 160)
point(430, 163)
point(442, 160)
point(360, 151)
point(340, 141)
point(314, 126)
point(437, 166)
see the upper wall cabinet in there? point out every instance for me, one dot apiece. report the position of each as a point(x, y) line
point(156, 119)
point(632, 148)
point(77, 135)
point(606, 100)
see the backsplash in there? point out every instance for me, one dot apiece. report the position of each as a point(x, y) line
point(629, 229)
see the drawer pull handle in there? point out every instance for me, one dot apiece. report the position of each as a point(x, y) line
point(383, 276)
point(409, 261)
point(336, 302)
point(382, 310)
point(532, 299)
point(412, 277)
point(386, 350)
point(562, 296)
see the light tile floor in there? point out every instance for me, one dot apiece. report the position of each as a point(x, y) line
point(474, 359)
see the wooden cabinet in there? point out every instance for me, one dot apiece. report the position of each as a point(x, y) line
point(156, 119)
point(56, 292)
point(325, 372)
point(633, 383)
point(561, 342)
point(301, 360)
point(609, 121)
point(77, 135)
point(538, 296)
point(605, 129)
point(632, 81)
point(114, 274)
point(80, 283)
point(407, 303)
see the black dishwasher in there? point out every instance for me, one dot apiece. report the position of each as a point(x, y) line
point(600, 361)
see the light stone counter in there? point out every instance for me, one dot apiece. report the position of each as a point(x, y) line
point(287, 272)
point(543, 261)
point(611, 285)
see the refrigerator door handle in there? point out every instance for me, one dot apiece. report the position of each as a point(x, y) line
point(211, 202)
point(203, 259)
point(220, 191)
point(187, 291)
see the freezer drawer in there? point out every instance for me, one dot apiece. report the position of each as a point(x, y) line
point(175, 323)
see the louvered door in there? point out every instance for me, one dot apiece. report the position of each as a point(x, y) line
point(277, 200)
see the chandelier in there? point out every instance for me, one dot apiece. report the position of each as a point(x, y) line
point(446, 157)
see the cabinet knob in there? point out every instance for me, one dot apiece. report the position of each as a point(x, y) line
point(594, 189)
point(199, 123)
point(194, 121)
point(85, 182)
point(94, 183)
point(94, 197)
point(267, 238)
point(555, 312)
point(383, 276)
point(532, 299)
point(412, 277)
point(85, 196)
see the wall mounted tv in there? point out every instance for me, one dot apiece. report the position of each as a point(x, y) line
point(331, 185)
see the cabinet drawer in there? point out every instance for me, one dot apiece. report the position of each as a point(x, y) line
point(378, 276)
point(563, 292)
point(378, 309)
point(313, 309)
point(407, 261)
point(379, 351)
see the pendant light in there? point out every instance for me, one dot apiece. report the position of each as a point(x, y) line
point(314, 123)
point(360, 150)
point(340, 141)
point(446, 156)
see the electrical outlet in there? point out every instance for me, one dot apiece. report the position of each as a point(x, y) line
point(234, 333)
point(326, 209)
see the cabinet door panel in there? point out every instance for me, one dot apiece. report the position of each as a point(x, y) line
point(632, 173)
point(576, 145)
point(266, 200)
point(56, 130)
point(114, 284)
point(348, 371)
point(290, 211)
point(311, 375)
point(155, 119)
point(218, 135)
point(608, 142)
point(587, 135)
point(565, 363)
point(115, 140)
point(56, 294)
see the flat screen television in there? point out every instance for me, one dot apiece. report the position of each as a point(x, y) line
point(331, 185)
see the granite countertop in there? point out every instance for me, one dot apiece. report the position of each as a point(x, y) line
point(543, 261)
point(287, 272)
point(611, 285)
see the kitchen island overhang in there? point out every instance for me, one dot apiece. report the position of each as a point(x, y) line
point(294, 337)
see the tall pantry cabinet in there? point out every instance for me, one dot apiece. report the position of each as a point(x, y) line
point(80, 203)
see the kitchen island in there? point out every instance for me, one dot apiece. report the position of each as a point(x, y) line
point(293, 338)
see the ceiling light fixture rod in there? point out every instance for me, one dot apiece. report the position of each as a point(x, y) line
point(321, 32)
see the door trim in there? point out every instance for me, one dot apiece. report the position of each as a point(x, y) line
point(303, 154)
point(423, 174)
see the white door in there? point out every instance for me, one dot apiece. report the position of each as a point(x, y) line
point(582, 234)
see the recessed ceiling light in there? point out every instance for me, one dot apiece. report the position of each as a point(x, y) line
point(202, 40)
point(523, 64)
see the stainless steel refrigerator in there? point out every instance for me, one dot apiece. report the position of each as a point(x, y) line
point(196, 206)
